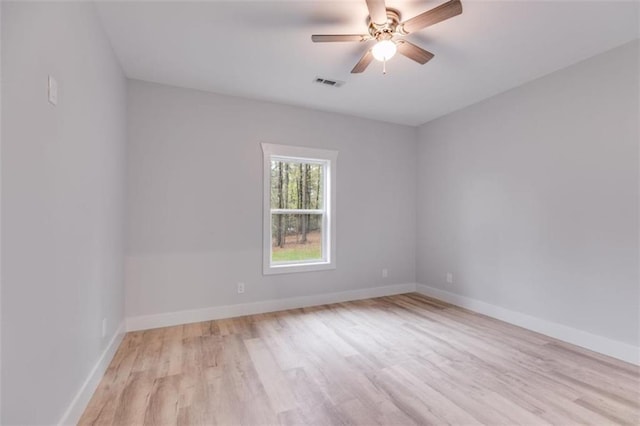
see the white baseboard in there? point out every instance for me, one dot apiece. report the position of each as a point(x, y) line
point(603, 345)
point(229, 311)
point(82, 398)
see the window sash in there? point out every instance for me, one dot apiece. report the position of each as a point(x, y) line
point(325, 239)
point(323, 212)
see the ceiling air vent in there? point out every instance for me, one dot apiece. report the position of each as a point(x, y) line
point(327, 82)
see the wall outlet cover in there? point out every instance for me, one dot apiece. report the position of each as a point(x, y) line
point(53, 91)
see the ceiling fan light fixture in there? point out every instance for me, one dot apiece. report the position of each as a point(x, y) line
point(384, 50)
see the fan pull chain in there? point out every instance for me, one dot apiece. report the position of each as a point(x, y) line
point(384, 66)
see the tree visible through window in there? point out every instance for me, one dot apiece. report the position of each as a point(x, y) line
point(299, 209)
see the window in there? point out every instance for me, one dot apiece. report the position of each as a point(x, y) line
point(299, 209)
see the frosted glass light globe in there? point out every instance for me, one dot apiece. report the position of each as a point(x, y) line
point(384, 50)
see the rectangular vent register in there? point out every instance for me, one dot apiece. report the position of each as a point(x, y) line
point(327, 82)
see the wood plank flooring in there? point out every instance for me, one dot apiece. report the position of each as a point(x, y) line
point(399, 360)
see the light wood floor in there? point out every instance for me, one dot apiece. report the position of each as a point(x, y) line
point(393, 360)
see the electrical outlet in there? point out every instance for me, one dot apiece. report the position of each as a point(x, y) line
point(449, 278)
point(104, 327)
point(385, 273)
point(240, 287)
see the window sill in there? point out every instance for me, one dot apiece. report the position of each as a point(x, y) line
point(298, 267)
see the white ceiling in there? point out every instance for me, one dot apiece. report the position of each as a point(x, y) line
point(263, 50)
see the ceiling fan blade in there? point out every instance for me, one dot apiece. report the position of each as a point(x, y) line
point(414, 52)
point(438, 14)
point(363, 63)
point(377, 11)
point(316, 38)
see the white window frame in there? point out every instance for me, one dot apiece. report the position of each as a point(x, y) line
point(328, 159)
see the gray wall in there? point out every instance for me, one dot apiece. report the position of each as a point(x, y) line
point(195, 199)
point(0, 213)
point(63, 174)
point(531, 198)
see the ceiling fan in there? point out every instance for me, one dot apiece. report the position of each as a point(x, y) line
point(386, 28)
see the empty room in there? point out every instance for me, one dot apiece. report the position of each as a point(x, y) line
point(297, 212)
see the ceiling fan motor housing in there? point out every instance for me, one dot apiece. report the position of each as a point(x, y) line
point(389, 29)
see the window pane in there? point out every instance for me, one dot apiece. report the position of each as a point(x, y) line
point(296, 237)
point(296, 185)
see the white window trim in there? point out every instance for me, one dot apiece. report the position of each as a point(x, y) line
point(296, 153)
